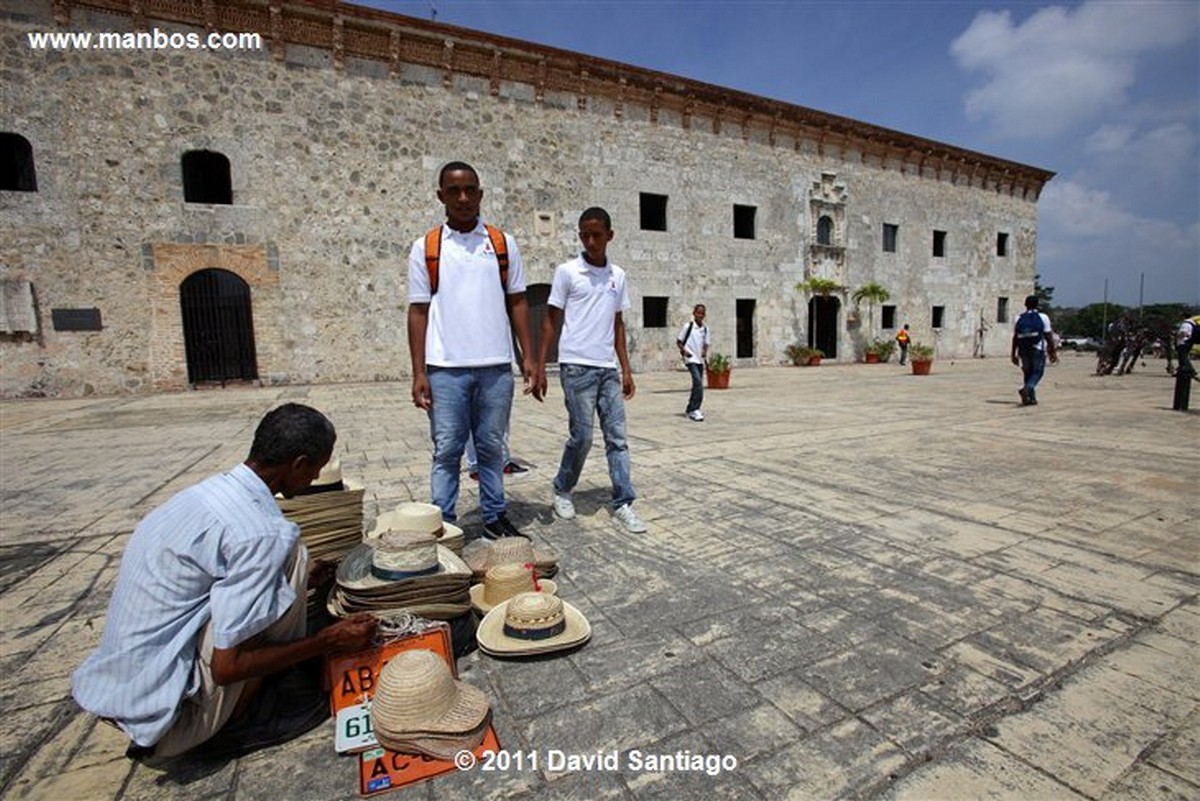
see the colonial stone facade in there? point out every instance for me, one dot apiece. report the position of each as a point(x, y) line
point(333, 133)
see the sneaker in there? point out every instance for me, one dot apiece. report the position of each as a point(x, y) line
point(1024, 397)
point(499, 529)
point(697, 415)
point(511, 468)
point(564, 507)
point(629, 520)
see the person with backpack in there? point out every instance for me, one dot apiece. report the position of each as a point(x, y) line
point(693, 349)
point(1032, 340)
point(588, 296)
point(466, 290)
point(902, 339)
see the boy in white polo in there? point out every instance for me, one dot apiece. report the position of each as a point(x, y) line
point(588, 295)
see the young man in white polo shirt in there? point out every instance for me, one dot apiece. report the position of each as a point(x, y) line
point(461, 349)
point(589, 297)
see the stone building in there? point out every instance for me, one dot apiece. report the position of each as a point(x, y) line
point(171, 215)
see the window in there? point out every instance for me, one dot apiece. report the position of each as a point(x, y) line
point(654, 312)
point(889, 317)
point(939, 243)
point(206, 178)
point(1002, 310)
point(939, 313)
point(16, 164)
point(1001, 244)
point(654, 212)
point(889, 237)
point(743, 221)
point(824, 231)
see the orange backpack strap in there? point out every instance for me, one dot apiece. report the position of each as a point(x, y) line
point(433, 254)
point(501, 247)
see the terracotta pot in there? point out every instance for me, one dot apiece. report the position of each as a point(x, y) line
point(814, 361)
point(718, 380)
point(921, 367)
point(872, 358)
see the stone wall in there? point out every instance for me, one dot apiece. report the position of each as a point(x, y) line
point(333, 168)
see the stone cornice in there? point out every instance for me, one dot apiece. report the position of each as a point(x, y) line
point(365, 33)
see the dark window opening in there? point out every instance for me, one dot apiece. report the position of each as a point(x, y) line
point(654, 312)
point(17, 173)
point(939, 312)
point(825, 231)
point(1001, 244)
point(745, 328)
point(889, 237)
point(1002, 310)
point(743, 221)
point(939, 243)
point(206, 178)
point(889, 317)
point(653, 211)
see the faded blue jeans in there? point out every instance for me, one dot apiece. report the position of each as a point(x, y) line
point(1033, 365)
point(697, 396)
point(588, 392)
point(476, 401)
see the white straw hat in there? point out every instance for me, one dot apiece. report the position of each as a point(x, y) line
point(531, 623)
point(504, 581)
point(414, 516)
point(404, 554)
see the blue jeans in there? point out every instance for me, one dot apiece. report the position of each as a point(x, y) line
point(1032, 366)
point(588, 391)
point(697, 396)
point(475, 401)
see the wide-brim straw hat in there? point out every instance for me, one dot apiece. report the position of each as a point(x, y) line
point(480, 556)
point(534, 613)
point(503, 582)
point(354, 573)
point(414, 516)
point(403, 555)
point(436, 746)
point(418, 696)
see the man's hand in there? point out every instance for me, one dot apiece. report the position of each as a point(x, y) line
point(1015, 360)
point(533, 386)
point(355, 633)
point(627, 385)
point(421, 394)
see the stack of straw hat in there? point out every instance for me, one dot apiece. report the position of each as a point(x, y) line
point(503, 582)
point(329, 513)
point(420, 708)
point(413, 516)
point(402, 571)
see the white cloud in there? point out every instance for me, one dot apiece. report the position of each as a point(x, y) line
point(1063, 66)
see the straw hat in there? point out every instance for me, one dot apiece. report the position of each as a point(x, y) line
point(418, 697)
point(481, 556)
point(504, 581)
point(531, 623)
point(413, 516)
point(354, 573)
point(404, 554)
point(329, 480)
point(441, 747)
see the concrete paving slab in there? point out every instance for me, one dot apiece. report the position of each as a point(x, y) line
point(856, 583)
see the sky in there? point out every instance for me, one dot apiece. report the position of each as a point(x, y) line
point(1104, 93)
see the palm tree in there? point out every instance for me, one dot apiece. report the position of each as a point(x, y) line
point(818, 286)
point(872, 293)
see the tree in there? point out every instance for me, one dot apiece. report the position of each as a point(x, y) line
point(818, 286)
point(1045, 294)
point(872, 293)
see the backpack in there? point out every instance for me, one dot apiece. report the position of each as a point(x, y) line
point(433, 254)
point(1029, 330)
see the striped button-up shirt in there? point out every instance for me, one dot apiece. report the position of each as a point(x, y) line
point(217, 552)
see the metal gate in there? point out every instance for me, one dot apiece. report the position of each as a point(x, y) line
point(218, 332)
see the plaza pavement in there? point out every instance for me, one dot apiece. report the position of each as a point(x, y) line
point(858, 583)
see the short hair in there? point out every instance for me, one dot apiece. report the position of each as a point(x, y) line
point(289, 431)
point(699, 306)
point(455, 166)
point(596, 213)
point(1031, 301)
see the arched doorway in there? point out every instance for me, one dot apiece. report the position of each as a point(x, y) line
point(536, 296)
point(823, 324)
point(218, 331)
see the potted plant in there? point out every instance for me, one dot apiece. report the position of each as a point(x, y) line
point(802, 355)
point(921, 357)
point(717, 370)
point(879, 351)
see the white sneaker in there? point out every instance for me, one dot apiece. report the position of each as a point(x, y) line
point(699, 415)
point(564, 507)
point(629, 519)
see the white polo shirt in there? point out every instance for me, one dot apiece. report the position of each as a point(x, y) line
point(468, 317)
point(590, 297)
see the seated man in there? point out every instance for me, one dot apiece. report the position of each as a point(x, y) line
point(210, 599)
